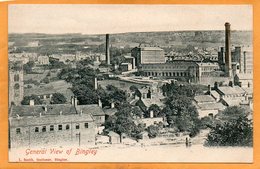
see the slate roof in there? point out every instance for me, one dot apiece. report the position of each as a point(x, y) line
point(93, 109)
point(204, 98)
point(30, 115)
point(211, 106)
point(232, 101)
point(228, 90)
point(215, 94)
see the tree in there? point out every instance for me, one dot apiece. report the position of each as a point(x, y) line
point(181, 114)
point(123, 121)
point(58, 98)
point(26, 100)
point(237, 132)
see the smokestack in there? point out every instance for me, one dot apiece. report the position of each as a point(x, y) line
point(244, 62)
point(107, 50)
point(95, 83)
point(228, 68)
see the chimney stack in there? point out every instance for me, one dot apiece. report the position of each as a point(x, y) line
point(99, 103)
point(75, 101)
point(107, 50)
point(112, 105)
point(45, 108)
point(228, 68)
point(72, 100)
point(31, 102)
point(209, 89)
point(95, 83)
point(151, 114)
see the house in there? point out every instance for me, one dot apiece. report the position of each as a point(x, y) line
point(41, 125)
point(207, 105)
point(125, 67)
point(43, 60)
point(94, 110)
point(114, 138)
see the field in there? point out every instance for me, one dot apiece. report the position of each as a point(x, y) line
point(119, 84)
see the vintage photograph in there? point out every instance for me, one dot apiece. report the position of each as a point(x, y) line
point(130, 83)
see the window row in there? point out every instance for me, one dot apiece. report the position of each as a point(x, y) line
point(51, 128)
point(167, 74)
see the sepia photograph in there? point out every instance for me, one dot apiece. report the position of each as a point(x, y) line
point(130, 83)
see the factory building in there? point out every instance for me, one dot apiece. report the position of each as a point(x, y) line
point(148, 55)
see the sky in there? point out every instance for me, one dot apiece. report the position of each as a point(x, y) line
point(101, 19)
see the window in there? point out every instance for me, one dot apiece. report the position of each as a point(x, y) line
point(43, 128)
point(18, 131)
point(16, 78)
point(77, 126)
point(36, 129)
point(16, 86)
point(60, 127)
point(67, 127)
point(51, 128)
point(86, 125)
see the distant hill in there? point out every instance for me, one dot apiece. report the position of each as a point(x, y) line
point(172, 39)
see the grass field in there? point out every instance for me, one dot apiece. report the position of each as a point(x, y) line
point(119, 84)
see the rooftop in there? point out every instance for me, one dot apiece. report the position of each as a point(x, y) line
point(232, 101)
point(93, 109)
point(228, 90)
point(36, 115)
point(204, 98)
point(149, 102)
point(245, 76)
point(212, 106)
point(151, 48)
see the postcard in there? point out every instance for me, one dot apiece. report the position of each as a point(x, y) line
point(130, 83)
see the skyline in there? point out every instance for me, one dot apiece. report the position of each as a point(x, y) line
point(102, 19)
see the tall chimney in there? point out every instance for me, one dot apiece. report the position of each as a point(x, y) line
point(228, 68)
point(95, 83)
point(107, 50)
point(244, 53)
